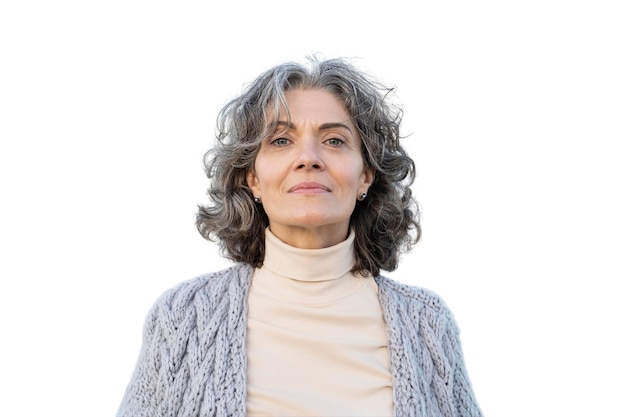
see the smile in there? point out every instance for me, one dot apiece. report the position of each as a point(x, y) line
point(309, 188)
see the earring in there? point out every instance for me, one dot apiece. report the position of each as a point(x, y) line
point(362, 196)
point(257, 199)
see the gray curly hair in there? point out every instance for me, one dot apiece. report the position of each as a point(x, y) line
point(386, 223)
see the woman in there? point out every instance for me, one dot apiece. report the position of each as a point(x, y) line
point(310, 197)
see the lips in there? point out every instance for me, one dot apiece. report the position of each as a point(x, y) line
point(309, 187)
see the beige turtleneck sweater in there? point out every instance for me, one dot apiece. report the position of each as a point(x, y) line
point(316, 340)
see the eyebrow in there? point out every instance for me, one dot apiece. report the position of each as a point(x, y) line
point(326, 126)
point(323, 126)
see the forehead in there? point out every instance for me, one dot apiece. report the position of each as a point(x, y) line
point(312, 105)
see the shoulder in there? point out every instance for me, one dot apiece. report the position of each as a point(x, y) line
point(205, 291)
point(411, 297)
point(236, 275)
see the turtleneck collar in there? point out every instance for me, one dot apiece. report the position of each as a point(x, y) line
point(308, 264)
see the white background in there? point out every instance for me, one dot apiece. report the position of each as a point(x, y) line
point(515, 115)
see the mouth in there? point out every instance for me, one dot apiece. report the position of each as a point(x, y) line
point(309, 188)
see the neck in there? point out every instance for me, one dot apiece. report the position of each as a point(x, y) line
point(311, 238)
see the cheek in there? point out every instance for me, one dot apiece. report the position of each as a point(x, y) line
point(357, 175)
point(266, 174)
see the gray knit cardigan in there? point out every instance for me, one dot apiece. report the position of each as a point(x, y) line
point(193, 358)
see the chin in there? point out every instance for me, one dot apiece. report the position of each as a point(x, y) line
point(313, 219)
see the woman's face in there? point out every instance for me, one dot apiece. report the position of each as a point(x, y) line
point(310, 173)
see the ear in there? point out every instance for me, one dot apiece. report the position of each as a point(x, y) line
point(253, 182)
point(367, 179)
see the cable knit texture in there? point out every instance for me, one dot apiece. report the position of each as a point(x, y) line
point(193, 358)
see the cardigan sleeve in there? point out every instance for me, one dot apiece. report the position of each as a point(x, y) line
point(141, 396)
point(465, 404)
point(159, 381)
point(449, 381)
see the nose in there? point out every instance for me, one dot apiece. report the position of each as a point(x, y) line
point(309, 156)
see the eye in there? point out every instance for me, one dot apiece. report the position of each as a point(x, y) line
point(335, 142)
point(281, 142)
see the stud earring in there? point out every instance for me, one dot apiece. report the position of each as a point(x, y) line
point(257, 199)
point(362, 196)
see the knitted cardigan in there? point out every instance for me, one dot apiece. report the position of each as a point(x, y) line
point(193, 358)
